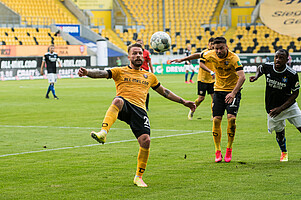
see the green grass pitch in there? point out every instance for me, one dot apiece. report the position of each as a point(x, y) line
point(181, 163)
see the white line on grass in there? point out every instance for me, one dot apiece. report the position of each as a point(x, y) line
point(72, 127)
point(90, 145)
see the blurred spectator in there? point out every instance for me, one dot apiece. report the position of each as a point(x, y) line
point(267, 59)
point(118, 62)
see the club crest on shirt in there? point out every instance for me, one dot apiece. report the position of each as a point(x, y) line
point(226, 62)
point(145, 76)
point(284, 79)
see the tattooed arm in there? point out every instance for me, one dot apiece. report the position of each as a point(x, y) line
point(173, 97)
point(93, 73)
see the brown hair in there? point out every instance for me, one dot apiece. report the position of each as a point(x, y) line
point(219, 40)
point(134, 45)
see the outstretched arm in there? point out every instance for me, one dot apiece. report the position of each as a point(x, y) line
point(257, 75)
point(93, 73)
point(191, 57)
point(173, 97)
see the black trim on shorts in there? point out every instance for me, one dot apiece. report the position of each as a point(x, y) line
point(158, 85)
point(110, 73)
point(239, 68)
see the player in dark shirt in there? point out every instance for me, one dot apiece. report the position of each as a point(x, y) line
point(188, 66)
point(282, 89)
point(50, 58)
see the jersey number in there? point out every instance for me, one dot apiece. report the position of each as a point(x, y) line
point(146, 122)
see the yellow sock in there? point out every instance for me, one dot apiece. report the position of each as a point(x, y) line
point(110, 118)
point(231, 131)
point(197, 103)
point(142, 161)
point(217, 133)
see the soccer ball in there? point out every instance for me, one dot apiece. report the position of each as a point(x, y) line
point(160, 41)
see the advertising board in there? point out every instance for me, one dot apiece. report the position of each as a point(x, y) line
point(40, 50)
point(12, 68)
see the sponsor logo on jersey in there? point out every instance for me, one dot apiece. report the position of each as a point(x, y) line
point(275, 84)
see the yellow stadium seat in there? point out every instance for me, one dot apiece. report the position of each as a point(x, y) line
point(37, 8)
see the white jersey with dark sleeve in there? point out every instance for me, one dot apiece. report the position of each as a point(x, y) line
point(279, 85)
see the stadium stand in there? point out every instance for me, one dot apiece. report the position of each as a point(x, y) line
point(177, 15)
point(29, 36)
point(261, 39)
point(42, 12)
point(187, 22)
point(194, 22)
point(36, 12)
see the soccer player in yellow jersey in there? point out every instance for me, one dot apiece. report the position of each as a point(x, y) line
point(205, 80)
point(229, 80)
point(228, 84)
point(132, 85)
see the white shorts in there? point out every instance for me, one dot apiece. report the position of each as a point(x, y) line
point(51, 78)
point(189, 68)
point(292, 114)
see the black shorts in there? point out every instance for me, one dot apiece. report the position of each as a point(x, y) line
point(219, 105)
point(203, 87)
point(135, 117)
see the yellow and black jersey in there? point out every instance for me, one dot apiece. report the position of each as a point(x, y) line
point(225, 69)
point(205, 76)
point(132, 84)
